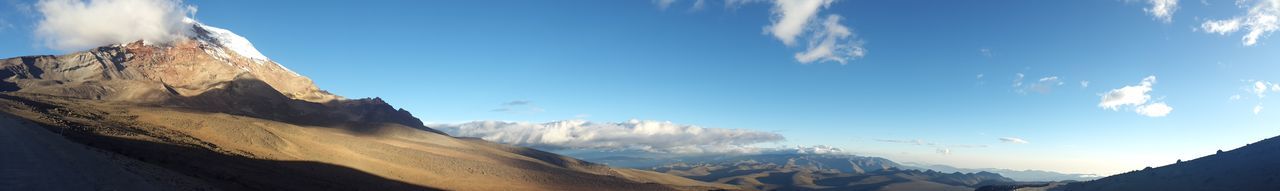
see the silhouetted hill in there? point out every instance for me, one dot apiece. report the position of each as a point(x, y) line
point(1253, 167)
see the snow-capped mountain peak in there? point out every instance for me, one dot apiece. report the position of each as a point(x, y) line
point(224, 38)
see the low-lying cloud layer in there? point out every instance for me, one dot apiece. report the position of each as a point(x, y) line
point(77, 24)
point(650, 136)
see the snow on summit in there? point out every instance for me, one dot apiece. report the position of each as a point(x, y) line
point(227, 39)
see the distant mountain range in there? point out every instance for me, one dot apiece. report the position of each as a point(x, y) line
point(825, 172)
point(1019, 175)
point(638, 160)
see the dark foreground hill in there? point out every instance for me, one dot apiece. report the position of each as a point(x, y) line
point(1253, 167)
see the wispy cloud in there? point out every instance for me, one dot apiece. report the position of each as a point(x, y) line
point(77, 24)
point(986, 52)
point(518, 107)
point(641, 135)
point(915, 141)
point(1260, 21)
point(1136, 97)
point(1013, 140)
point(832, 42)
point(517, 103)
point(1043, 85)
point(5, 25)
point(941, 148)
point(663, 4)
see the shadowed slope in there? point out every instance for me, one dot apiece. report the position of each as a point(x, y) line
point(231, 150)
point(1253, 167)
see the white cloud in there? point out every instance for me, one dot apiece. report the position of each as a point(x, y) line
point(981, 75)
point(1234, 97)
point(1084, 84)
point(1260, 21)
point(790, 18)
point(831, 42)
point(1221, 27)
point(944, 151)
point(1013, 140)
point(796, 22)
point(828, 40)
point(1260, 88)
point(650, 136)
point(986, 52)
point(77, 24)
point(1136, 97)
point(1162, 9)
point(1128, 95)
point(1154, 110)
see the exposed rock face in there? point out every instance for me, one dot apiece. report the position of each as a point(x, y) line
point(206, 72)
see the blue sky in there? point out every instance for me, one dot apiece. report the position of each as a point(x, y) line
point(719, 67)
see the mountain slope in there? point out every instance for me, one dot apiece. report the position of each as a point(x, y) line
point(1253, 167)
point(212, 108)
